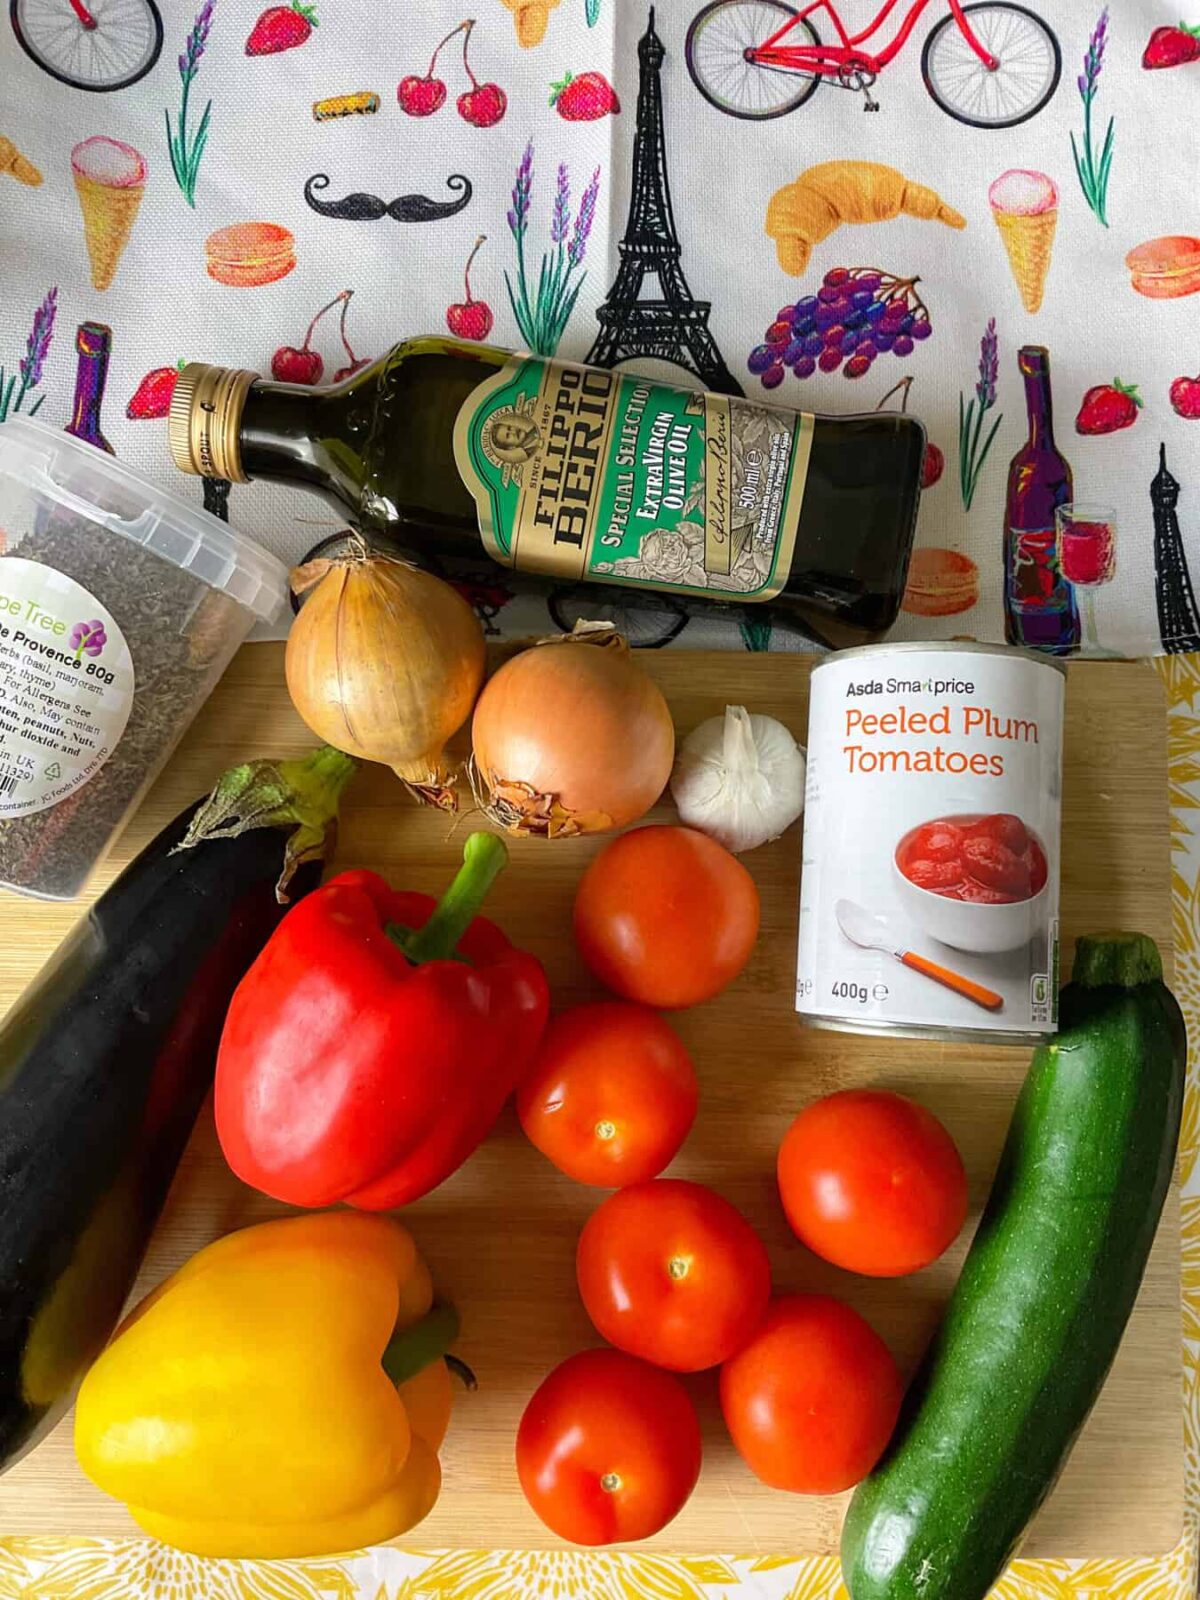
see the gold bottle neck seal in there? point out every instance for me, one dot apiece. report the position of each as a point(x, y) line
point(205, 420)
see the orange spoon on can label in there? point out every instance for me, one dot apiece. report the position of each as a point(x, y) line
point(874, 933)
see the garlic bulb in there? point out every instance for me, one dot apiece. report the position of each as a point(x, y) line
point(740, 779)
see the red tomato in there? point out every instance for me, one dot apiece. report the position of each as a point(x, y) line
point(612, 1094)
point(872, 1182)
point(608, 1449)
point(927, 873)
point(995, 866)
point(671, 1272)
point(1006, 829)
point(811, 1401)
point(666, 916)
point(938, 841)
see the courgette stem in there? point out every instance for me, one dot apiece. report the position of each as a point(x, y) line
point(1121, 960)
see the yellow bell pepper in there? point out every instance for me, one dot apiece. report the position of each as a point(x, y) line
point(282, 1394)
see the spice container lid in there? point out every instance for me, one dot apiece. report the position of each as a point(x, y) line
point(97, 486)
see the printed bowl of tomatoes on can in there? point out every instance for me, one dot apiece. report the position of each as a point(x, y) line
point(973, 881)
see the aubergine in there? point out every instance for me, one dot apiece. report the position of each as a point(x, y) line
point(107, 1058)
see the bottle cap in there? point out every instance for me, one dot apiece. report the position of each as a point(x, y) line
point(204, 423)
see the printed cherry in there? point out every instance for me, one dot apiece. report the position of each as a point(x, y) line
point(470, 318)
point(353, 363)
point(152, 397)
point(1185, 398)
point(933, 465)
point(933, 462)
point(422, 96)
point(289, 365)
point(305, 366)
point(483, 104)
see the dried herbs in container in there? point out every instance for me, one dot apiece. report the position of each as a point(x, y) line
point(120, 606)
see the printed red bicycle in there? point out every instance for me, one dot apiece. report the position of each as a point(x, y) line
point(98, 46)
point(991, 65)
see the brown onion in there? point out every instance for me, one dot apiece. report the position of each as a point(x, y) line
point(384, 661)
point(571, 736)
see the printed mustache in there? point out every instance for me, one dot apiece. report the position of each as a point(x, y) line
point(405, 208)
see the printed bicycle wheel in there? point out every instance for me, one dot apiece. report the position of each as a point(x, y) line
point(1021, 86)
point(715, 53)
point(116, 46)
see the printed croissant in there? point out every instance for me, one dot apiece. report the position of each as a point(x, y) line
point(532, 17)
point(22, 169)
point(803, 213)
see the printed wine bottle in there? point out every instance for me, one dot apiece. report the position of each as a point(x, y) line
point(1039, 603)
point(658, 495)
point(93, 342)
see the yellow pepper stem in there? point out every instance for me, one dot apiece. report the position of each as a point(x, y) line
point(420, 1345)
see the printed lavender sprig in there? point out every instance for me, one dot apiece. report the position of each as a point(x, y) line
point(543, 313)
point(971, 453)
point(1092, 169)
point(14, 387)
point(187, 147)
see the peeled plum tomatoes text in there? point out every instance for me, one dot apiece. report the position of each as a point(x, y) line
point(991, 860)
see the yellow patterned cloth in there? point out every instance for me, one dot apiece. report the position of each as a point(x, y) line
point(135, 1569)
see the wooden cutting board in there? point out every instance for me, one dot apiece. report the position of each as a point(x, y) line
point(500, 1235)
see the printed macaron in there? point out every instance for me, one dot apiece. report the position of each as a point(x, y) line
point(1166, 269)
point(941, 583)
point(246, 254)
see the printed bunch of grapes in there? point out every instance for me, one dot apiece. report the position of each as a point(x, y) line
point(857, 314)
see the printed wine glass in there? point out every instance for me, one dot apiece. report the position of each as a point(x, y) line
point(1087, 558)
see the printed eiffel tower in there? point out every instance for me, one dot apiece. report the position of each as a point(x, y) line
point(671, 326)
point(1178, 620)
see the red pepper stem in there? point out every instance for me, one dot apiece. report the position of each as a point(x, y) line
point(484, 857)
point(414, 1348)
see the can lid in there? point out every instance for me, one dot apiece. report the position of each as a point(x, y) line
point(97, 486)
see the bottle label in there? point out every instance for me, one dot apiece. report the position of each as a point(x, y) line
point(1035, 583)
point(67, 686)
point(582, 473)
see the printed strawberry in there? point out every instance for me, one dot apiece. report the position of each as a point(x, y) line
point(152, 397)
point(1172, 47)
point(586, 98)
point(1108, 407)
point(281, 28)
point(1185, 398)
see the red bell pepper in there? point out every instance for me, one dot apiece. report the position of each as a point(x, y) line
point(370, 1047)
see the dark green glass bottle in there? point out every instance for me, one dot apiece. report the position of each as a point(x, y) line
point(659, 495)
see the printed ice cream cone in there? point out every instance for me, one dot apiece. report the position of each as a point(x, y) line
point(110, 179)
point(1025, 207)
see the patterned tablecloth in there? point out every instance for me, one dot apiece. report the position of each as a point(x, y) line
point(136, 1569)
point(292, 189)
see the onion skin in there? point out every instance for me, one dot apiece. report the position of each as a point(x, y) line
point(569, 737)
point(384, 661)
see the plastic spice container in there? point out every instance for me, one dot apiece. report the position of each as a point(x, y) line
point(120, 606)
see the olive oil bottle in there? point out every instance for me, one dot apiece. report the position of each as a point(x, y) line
point(584, 475)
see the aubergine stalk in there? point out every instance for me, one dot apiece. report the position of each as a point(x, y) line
point(106, 1060)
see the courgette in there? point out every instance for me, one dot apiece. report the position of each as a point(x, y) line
point(106, 1059)
point(1050, 1279)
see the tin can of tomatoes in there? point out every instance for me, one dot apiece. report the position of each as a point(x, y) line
point(929, 895)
